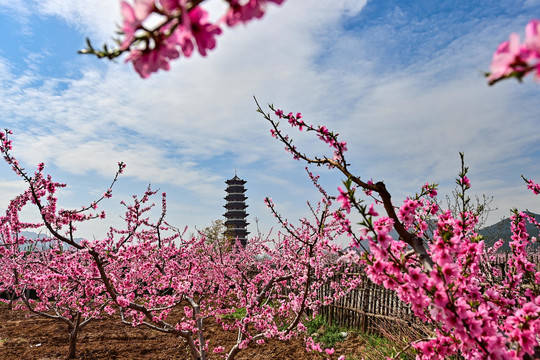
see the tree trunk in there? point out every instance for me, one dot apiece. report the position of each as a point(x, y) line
point(12, 295)
point(195, 355)
point(73, 338)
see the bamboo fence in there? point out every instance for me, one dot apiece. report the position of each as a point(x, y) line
point(372, 308)
point(366, 308)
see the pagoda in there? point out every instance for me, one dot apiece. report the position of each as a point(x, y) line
point(235, 214)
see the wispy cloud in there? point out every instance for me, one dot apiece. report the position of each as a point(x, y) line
point(93, 17)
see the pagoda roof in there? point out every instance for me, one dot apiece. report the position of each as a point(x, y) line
point(235, 180)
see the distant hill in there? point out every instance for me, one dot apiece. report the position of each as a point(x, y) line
point(35, 236)
point(501, 230)
point(493, 233)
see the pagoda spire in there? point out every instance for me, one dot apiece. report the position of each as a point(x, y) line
point(235, 213)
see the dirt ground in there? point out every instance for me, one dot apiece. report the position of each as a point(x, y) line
point(24, 337)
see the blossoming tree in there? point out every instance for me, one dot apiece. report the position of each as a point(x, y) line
point(53, 283)
point(146, 269)
point(446, 275)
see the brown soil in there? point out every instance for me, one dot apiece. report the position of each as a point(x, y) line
point(28, 337)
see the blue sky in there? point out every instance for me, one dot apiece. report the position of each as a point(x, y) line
point(401, 81)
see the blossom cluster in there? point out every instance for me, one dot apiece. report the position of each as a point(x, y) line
point(472, 320)
point(533, 186)
point(514, 58)
point(158, 31)
point(414, 213)
point(322, 132)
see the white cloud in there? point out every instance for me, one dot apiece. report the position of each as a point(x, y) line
point(10, 189)
point(18, 8)
point(99, 17)
point(190, 127)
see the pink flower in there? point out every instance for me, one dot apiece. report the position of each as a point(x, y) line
point(465, 181)
point(122, 301)
point(182, 34)
point(372, 211)
point(432, 191)
point(515, 59)
point(329, 351)
point(323, 132)
point(426, 349)
point(172, 5)
point(505, 58)
point(203, 31)
point(218, 349)
point(251, 9)
point(532, 38)
point(369, 192)
point(417, 276)
point(383, 225)
point(239, 13)
point(182, 38)
point(147, 62)
point(133, 18)
point(343, 198)
point(534, 187)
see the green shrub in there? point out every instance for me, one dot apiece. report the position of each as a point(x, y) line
point(328, 335)
point(239, 313)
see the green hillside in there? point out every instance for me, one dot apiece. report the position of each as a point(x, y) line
point(501, 230)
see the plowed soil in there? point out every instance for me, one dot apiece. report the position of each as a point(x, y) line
point(26, 336)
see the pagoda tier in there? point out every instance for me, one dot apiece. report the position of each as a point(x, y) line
point(234, 218)
point(236, 211)
point(236, 224)
point(237, 189)
point(235, 198)
point(237, 234)
point(235, 214)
